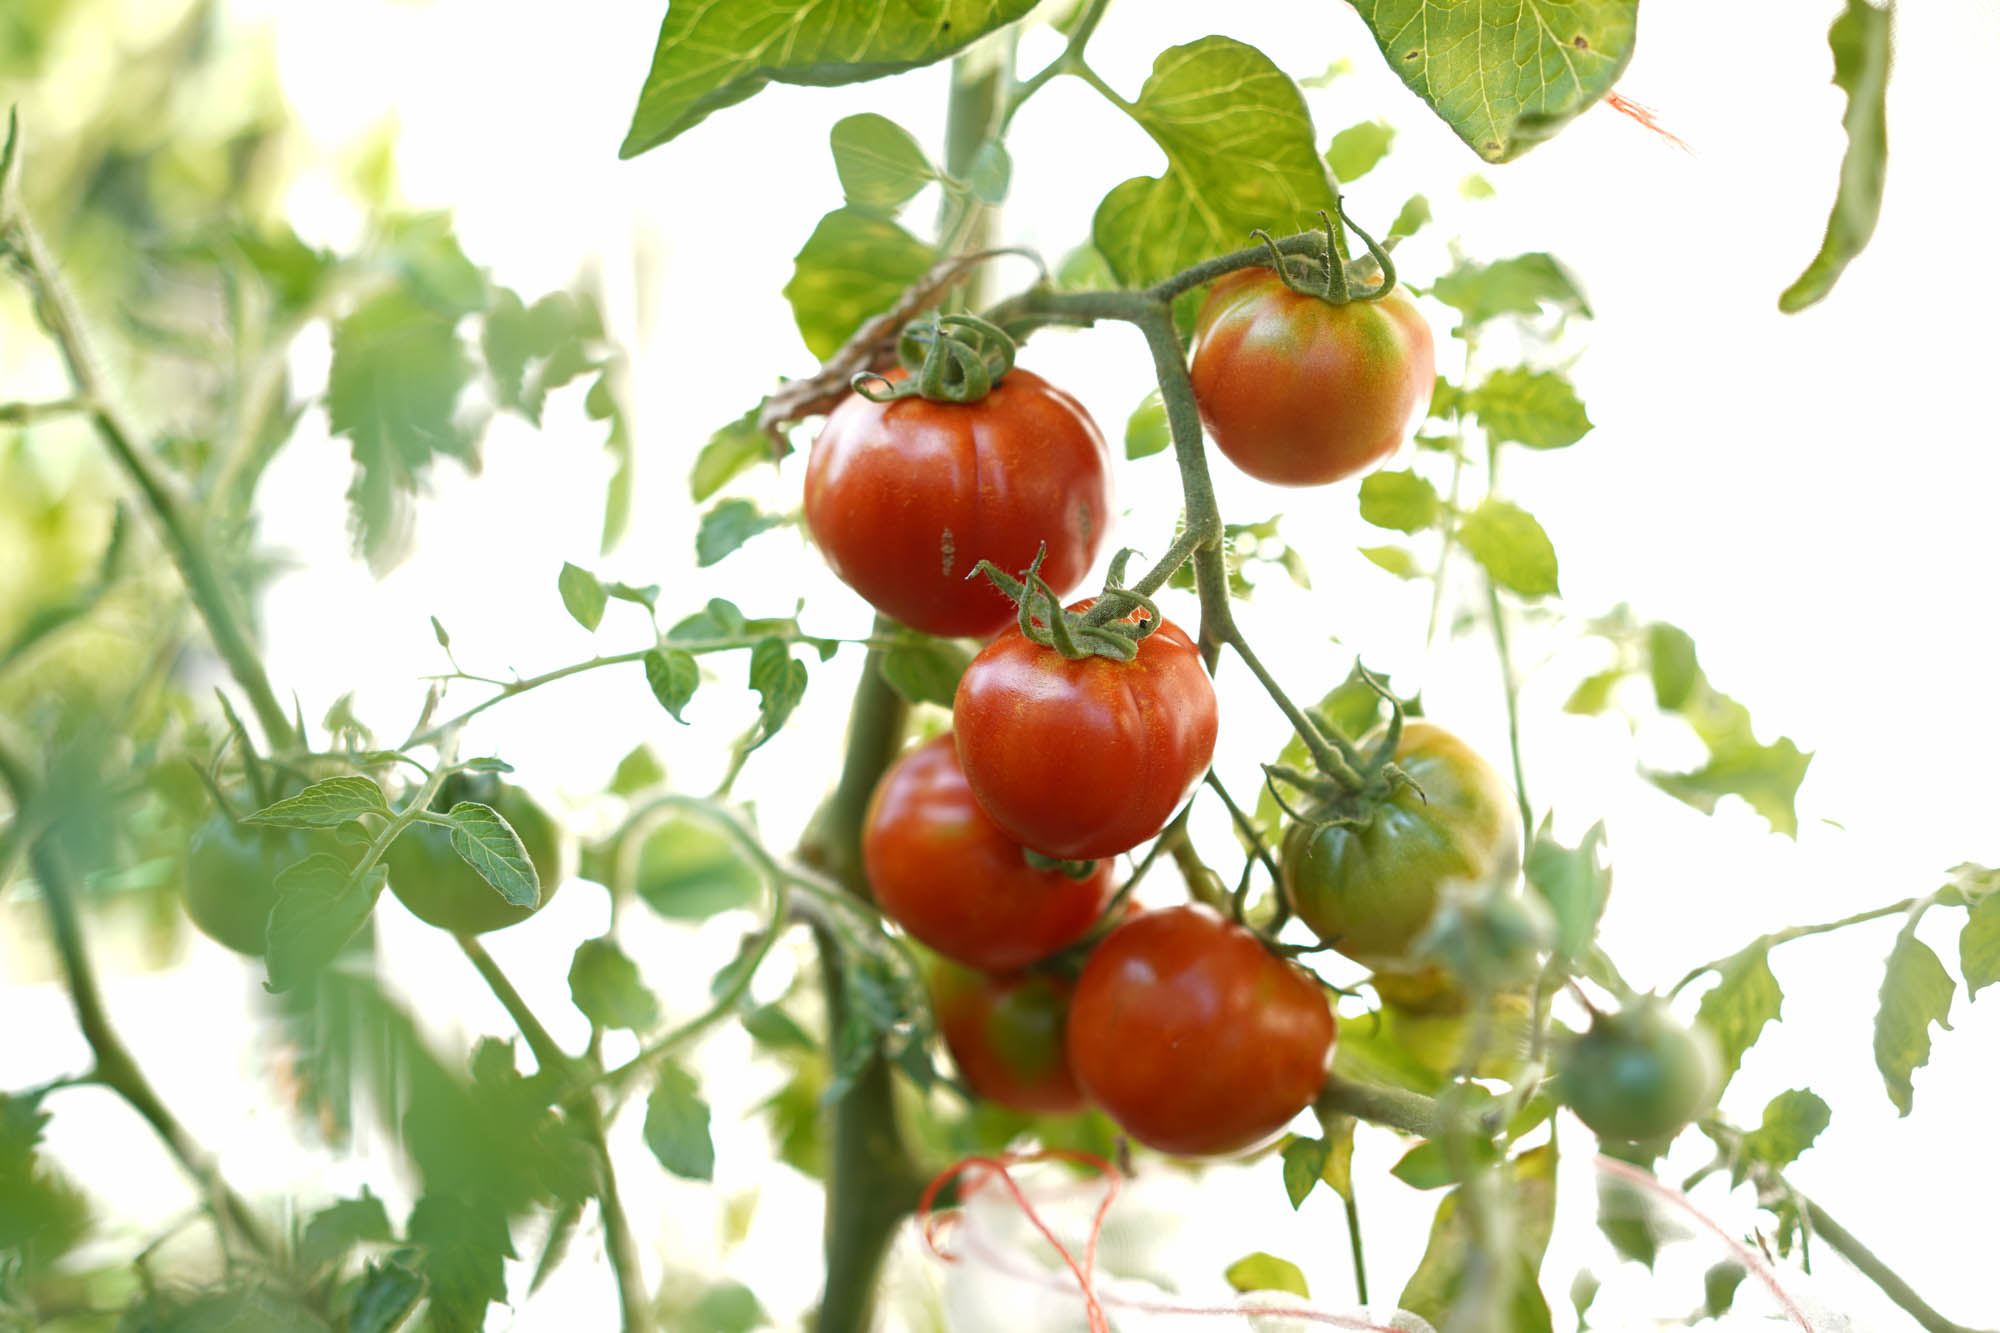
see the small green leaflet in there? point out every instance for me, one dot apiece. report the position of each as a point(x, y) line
point(488, 843)
point(676, 1126)
point(672, 675)
point(1861, 44)
point(1916, 992)
point(728, 526)
point(582, 595)
point(1979, 944)
point(1537, 408)
point(1305, 1160)
point(1356, 149)
point(1267, 1272)
point(854, 265)
point(1432, 1288)
point(1505, 77)
point(729, 452)
point(715, 55)
point(605, 985)
point(1395, 559)
point(1240, 155)
point(1507, 541)
point(1518, 286)
point(1575, 883)
point(1146, 431)
point(992, 171)
point(925, 670)
point(1792, 1120)
point(319, 909)
point(465, 1251)
point(1718, 1286)
point(339, 1227)
point(383, 1298)
point(328, 803)
point(880, 163)
point(689, 871)
point(1415, 213)
point(780, 682)
point(1403, 501)
point(1737, 1009)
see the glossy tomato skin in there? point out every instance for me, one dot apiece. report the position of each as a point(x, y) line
point(436, 884)
point(1369, 891)
point(905, 498)
point(1300, 392)
point(1193, 1036)
point(1089, 758)
point(231, 879)
point(940, 867)
point(1006, 1034)
point(1638, 1075)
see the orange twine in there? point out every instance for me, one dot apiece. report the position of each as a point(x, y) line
point(1646, 116)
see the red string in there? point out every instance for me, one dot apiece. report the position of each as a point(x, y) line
point(932, 1220)
point(1646, 116)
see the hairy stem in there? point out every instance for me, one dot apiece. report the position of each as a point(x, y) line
point(1778, 937)
point(1850, 1248)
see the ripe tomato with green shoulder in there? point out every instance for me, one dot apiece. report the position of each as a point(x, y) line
point(1085, 758)
point(1298, 391)
point(905, 497)
point(1369, 891)
point(437, 885)
point(1638, 1075)
point(940, 867)
point(1006, 1034)
point(231, 876)
point(1194, 1036)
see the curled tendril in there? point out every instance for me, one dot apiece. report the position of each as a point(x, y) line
point(949, 359)
point(1375, 252)
point(1045, 621)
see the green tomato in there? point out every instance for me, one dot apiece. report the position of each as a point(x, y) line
point(1369, 891)
point(437, 885)
point(231, 879)
point(1638, 1075)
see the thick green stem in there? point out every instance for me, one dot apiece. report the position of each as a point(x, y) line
point(1850, 1248)
point(1410, 1112)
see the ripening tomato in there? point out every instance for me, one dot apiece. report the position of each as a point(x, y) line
point(1087, 758)
point(231, 879)
point(942, 869)
point(1299, 391)
point(1638, 1075)
point(1194, 1036)
point(1006, 1036)
point(436, 884)
point(1369, 891)
point(905, 498)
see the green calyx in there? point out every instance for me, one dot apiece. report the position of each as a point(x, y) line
point(1326, 277)
point(1112, 626)
point(1348, 791)
point(950, 359)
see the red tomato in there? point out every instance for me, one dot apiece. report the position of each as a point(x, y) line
point(1006, 1036)
point(904, 498)
point(944, 870)
point(1300, 392)
point(1193, 1036)
point(1087, 758)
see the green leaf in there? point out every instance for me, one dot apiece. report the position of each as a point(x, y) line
point(1767, 776)
point(688, 871)
point(1518, 286)
point(647, 596)
point(339, 1227)
point(1505, 77)
point(1259, 1271)
point(1574, 882)
point(1400, 500)
point(728, 526)
point(1860, 39)
point(1427, 1167)
point(677, 1126)
point(1511, 546)
point(672, 675)
point(924, 669)
point(729, 452)
point(1737, 1009)
point(1415, 215)
point(992, 171)
point(880, 164)
point(1593, 693)
point(531, 350)
point(487, 842)
point(769, 1025)
point(854, 265)
point(328, 803)
point(715, 55)
point(1538, 408)
point(1916, 992)
point(720, 619)
point(318, 910)
point(1434, 1287)
point(1356, 149)
point(466, 1248)
point(780, 682)
point(638, 770)
point(433, 266)
point(1146, 431)
point(398, 368)
point(1305, 1160)
point(582, 595)
point(1792, 1120)
point(1395, 559)
point(1671, 660)
point(605, 985)
point(42, 1215)
point(1979, 946)
point(1240, 155)
point(726, 1307)
point(1718, 1287)
point(1338, 1172)
point(383, 1298)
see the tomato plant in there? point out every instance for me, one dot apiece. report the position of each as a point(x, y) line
point(1299, 391)
point(231, 879)
point(905, 497)
point(439, 887)
point(943, 870)
point(1369, 890)
point(1006, 1035)
point(1191, 1034)
point(1088, 757)
point(1637, 1075)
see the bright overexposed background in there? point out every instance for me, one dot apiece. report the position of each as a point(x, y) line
point(1811, 497)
